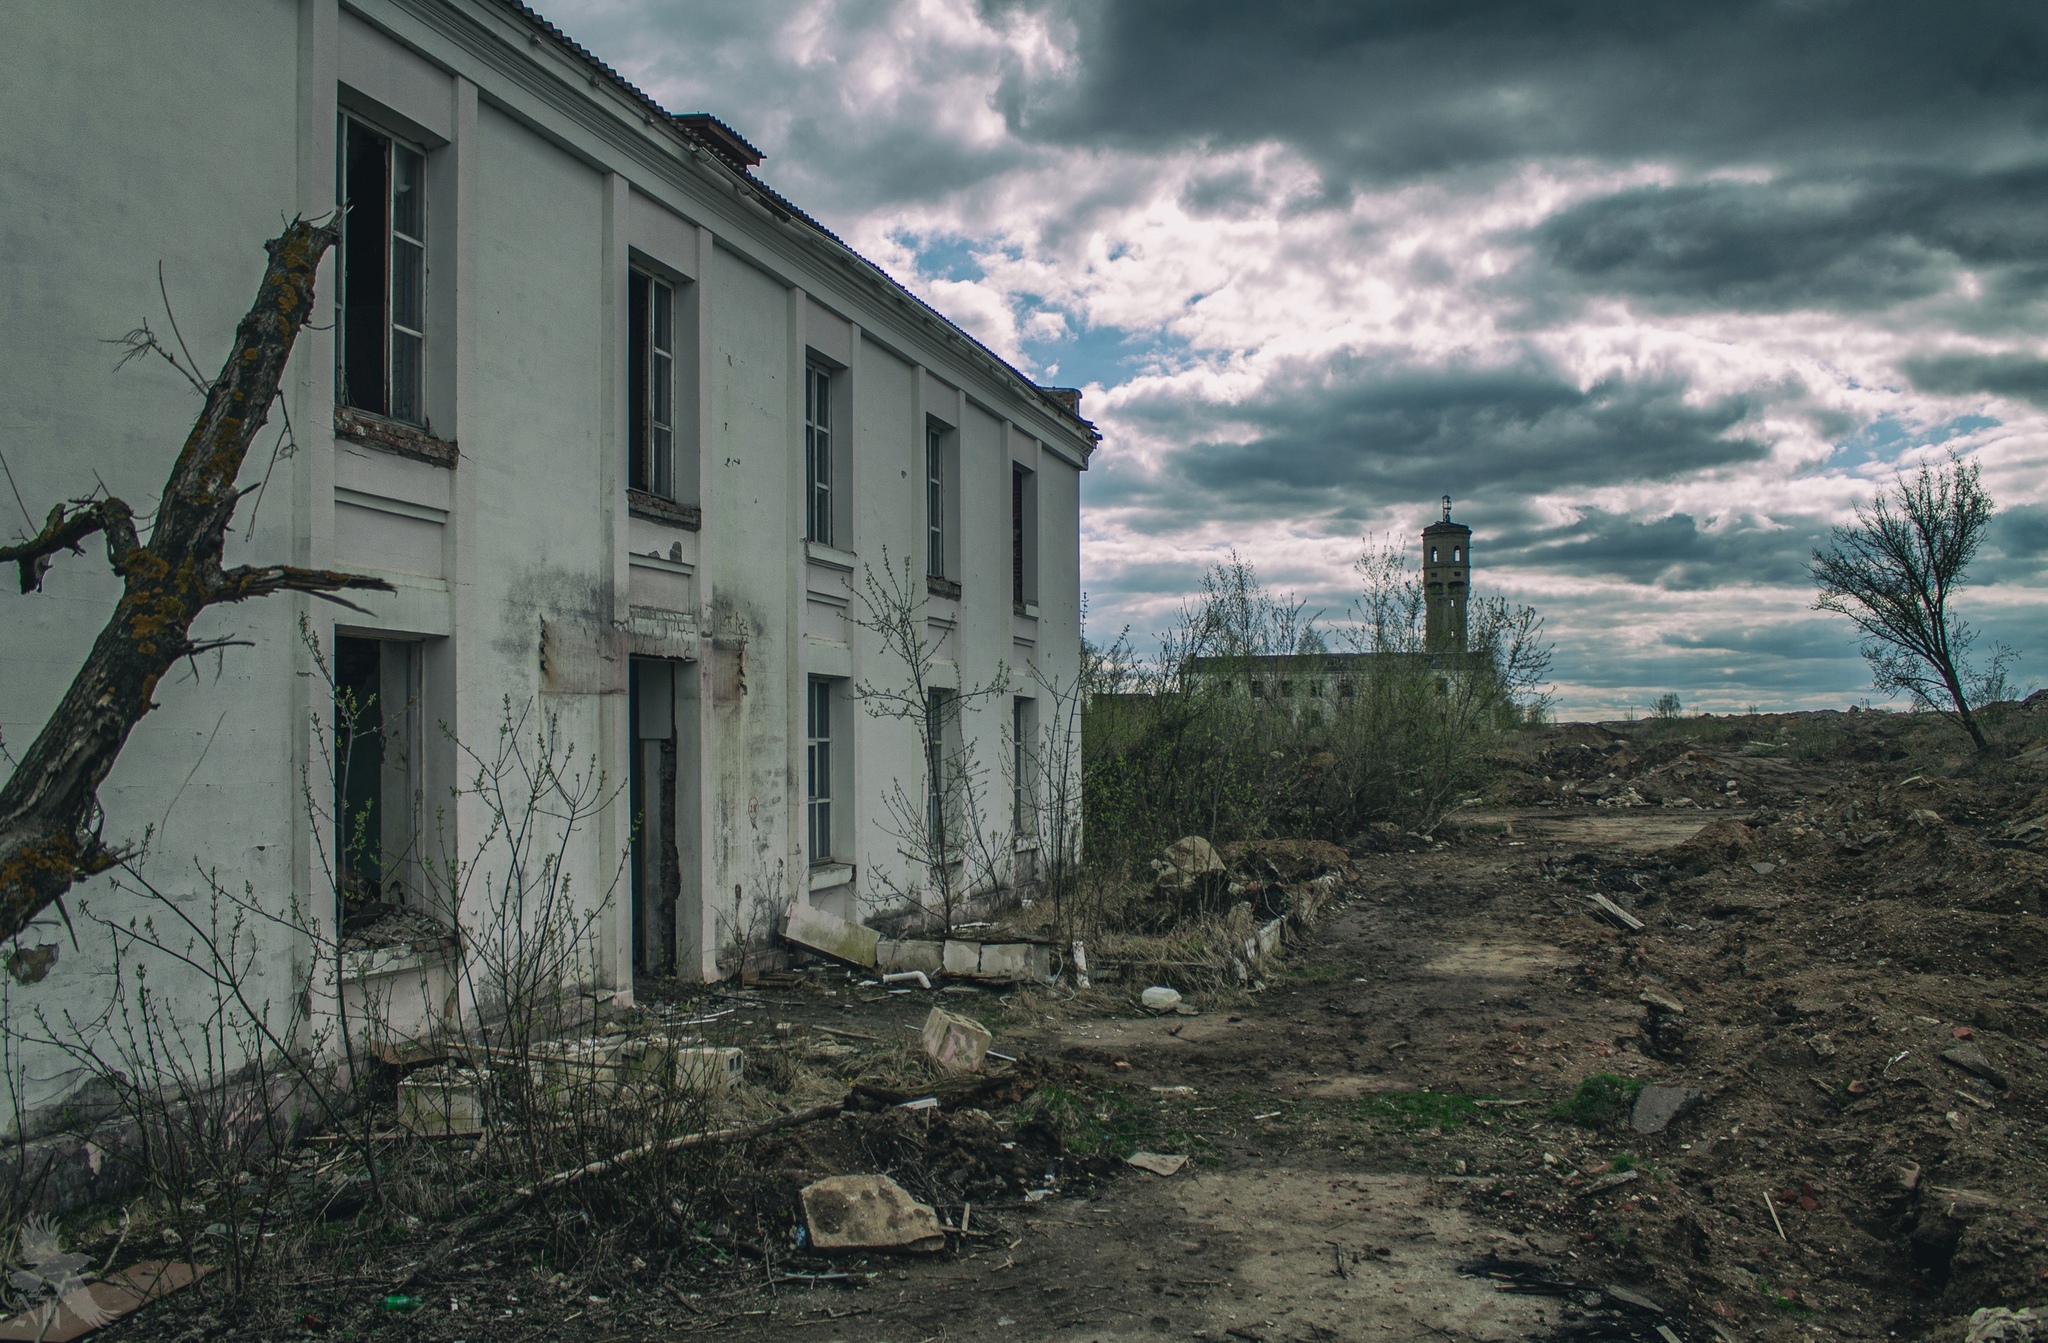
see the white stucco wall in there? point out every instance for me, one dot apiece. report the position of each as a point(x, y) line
point(135, 147)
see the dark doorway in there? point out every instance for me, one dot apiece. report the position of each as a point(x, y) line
point(652, 775)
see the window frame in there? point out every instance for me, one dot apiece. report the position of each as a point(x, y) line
point(935, 483)
point(820, 449)
point(395, 385)
point(818, 766)
point(651, 382)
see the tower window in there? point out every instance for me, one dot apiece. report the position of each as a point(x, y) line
point(1432, 554)
point(818, 455)
point(1456, 553)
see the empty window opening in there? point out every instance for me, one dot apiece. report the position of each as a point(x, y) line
point(383, 299)
point(651, 379)
point(376, 777)
point(1023, 535)
point(1456, 552)
point(652, 776)
point(818, 767)
point(818, 455)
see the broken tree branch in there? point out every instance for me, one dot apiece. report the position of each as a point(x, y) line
point(49, 806)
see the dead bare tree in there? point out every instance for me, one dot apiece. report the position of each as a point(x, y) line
point(1893, 574)
point(50, 823)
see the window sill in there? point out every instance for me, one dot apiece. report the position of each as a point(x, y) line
point(374, 431)
point(359, 966)
point(941, 587)
point(824, 876)
point(830, 557)
point(654, 508)
point(1029, 610)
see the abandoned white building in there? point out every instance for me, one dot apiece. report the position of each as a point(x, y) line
point(624, 429)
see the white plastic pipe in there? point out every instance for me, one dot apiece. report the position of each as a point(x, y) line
point(899, 976)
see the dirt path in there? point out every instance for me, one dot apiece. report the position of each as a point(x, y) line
point(1318, 1208)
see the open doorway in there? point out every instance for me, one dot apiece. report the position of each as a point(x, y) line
point(654, 772)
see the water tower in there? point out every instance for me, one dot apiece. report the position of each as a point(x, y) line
point(1446, 582)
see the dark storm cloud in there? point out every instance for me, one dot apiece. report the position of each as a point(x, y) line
point(1673, 552)
point(1841, 243)
point(2018, 375)
point(2019, 537)
point(1343, 436)
point(1417, 86)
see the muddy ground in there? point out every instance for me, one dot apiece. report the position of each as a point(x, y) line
point(1378, 1149)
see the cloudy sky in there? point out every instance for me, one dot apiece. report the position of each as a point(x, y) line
point(1656, 291)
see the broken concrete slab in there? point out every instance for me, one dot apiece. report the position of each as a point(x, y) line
point(1972, 1060)
point(711, 1070)
point(1657, 1107)
point(893, 956)
point(1016, 962)
point(869, 1212)
point(1658, 1002)
point(1159, 998)
point(961, 960)
point(957, 1044)
point(822, 931)
point(444, 1100)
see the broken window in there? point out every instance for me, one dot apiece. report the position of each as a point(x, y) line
point(383, 273)
point(818, 767)
point(818, 455)
point(651, 379)
point(376, 775)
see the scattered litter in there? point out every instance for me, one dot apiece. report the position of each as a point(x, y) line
point(399, 1301)
point(1174, 1091)
point(1037, 1195)
point(1157, 1163)
point(997, 1054)
point(921, 1103)
point(1159, 998)
point(869, 1212)
point(1270, 1114)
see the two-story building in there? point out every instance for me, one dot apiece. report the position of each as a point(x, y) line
point(625, 430)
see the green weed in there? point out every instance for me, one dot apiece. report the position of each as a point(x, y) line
point(1601, 1099)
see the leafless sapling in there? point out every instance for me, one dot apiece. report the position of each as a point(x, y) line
point(1894, 572)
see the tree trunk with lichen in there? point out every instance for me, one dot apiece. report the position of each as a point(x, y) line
point(50, 827)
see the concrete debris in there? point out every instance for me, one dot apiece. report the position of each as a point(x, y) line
point(897, 957)
point(1081, 966)
point(443, 1100)
point(1763, 869)
point(1016, 962)
point(1923, 817)
point(1997, 1324)
point(822, 931)
point(1971, 1059)
point(956, 1044)
point(1658, 1107)
point(1658, 1002)
point(710, 1070)
point(1186, 862)
point(1159, 998)
point(869, 1212)
point(1156, 1162)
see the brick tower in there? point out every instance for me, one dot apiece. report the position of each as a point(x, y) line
point(1446, 569)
